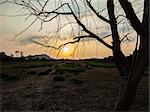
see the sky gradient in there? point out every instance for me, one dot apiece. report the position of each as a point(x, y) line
point(88, 48)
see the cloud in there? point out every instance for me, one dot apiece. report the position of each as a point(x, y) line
point(103, 34)
point(36, 37)
point(27, 40)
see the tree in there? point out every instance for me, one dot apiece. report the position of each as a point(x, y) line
point(130, 73)
point(17, 52)
point(141, 57)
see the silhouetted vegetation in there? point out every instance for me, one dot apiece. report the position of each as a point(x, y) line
point(5, 58)
point(19, 57)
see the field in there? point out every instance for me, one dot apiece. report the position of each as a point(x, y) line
point(64, 86)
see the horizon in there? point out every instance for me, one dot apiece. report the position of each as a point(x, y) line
point(15, 56)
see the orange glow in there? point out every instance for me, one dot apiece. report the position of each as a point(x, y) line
point(67, 51)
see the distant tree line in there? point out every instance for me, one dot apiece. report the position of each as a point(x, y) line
point(19, 57)
point(5, 58)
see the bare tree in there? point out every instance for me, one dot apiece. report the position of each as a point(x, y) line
point(140, 57)
point(130, 72)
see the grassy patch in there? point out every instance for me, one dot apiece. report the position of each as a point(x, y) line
point(16, 74)
point(102, 64)
point(25, 64)
point(69, 67)
point(19, 70)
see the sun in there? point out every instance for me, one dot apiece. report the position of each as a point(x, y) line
point(66, 49)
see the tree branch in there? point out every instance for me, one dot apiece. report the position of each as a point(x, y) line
point(89, 32)
point(131, 15)
point(98, 15)
point(113, 24)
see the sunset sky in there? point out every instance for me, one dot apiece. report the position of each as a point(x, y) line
point(88, 48)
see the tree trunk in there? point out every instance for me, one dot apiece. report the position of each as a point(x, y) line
point(129, 85)
point(128, 88)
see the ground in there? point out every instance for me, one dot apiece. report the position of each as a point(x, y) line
point(64, 86)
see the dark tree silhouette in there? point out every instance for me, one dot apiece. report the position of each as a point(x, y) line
point(133, 74)
point(130, 72)
point(17, 52)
